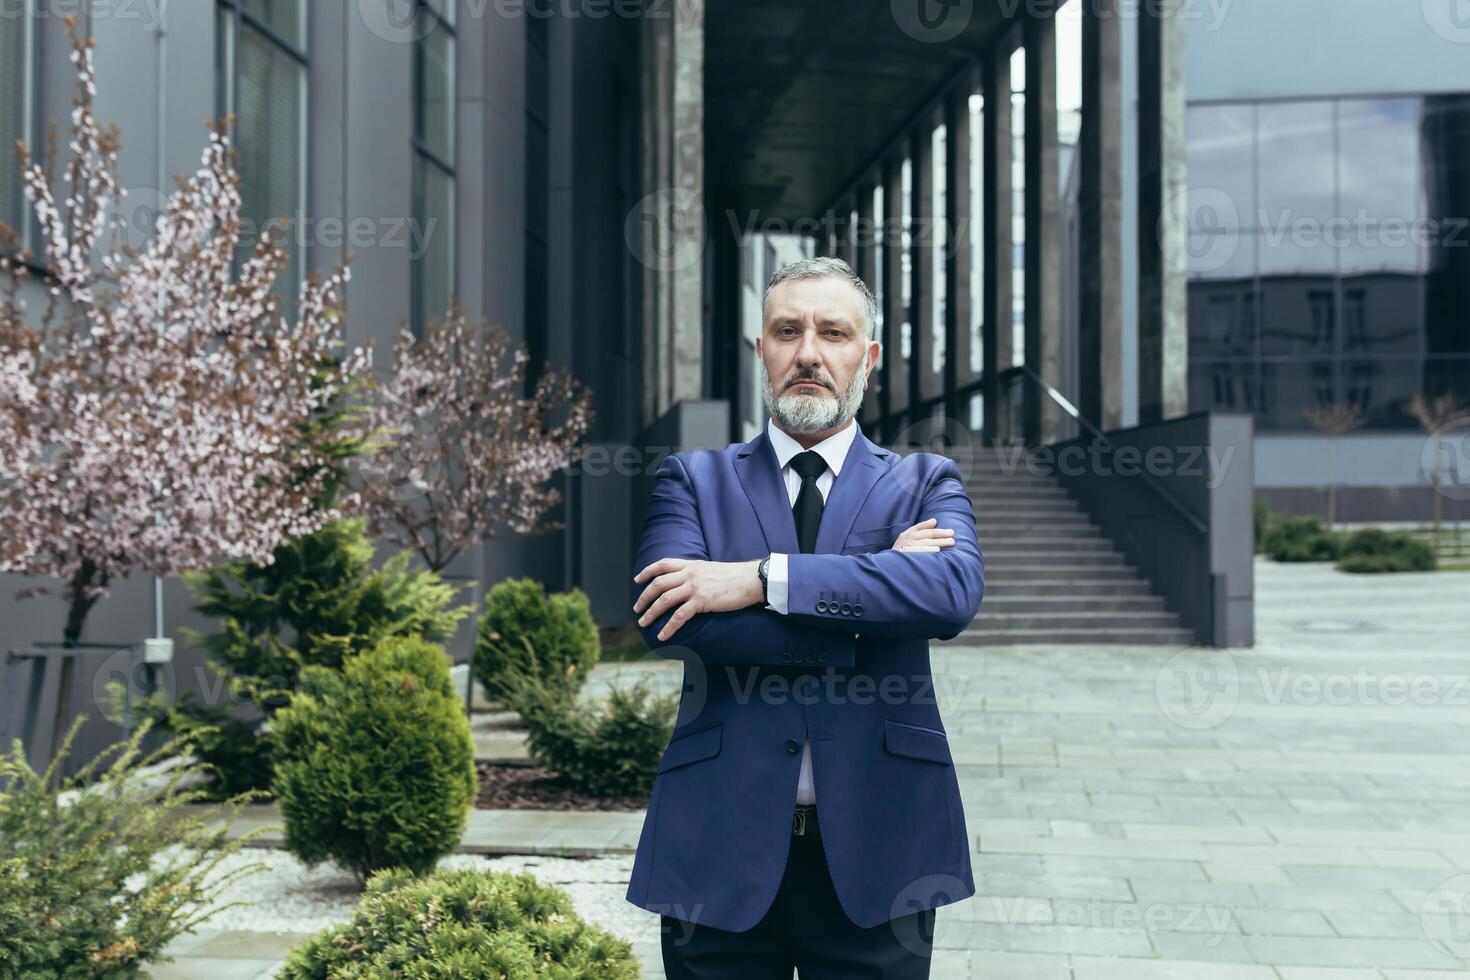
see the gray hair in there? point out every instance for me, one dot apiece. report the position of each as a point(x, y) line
point(827, 268)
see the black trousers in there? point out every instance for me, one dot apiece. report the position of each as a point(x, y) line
point(806, 930)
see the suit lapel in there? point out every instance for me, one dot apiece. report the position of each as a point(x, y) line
point(755, 465)
point(861, 468)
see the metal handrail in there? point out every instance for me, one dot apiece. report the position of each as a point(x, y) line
point(914, 410)
point(1097, 433)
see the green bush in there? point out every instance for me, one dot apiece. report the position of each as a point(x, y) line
point(320, 601)
point(1375, 550)
point(98, 875)
point(374, 765)
point(612, 749)
point(551, 637)
point(456, 924)
point(1263, 524)
point(1301, 539)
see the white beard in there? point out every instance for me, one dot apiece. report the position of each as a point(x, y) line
point(808, 414)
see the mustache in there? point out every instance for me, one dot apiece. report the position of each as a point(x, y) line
point(809, 379)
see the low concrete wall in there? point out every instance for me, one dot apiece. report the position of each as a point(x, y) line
point(1198, 555)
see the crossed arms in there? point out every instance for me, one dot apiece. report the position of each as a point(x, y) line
point(716, 611)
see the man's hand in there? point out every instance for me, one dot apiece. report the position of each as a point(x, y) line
point(695, 586)
point(924, 536)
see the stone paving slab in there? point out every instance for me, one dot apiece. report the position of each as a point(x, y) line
point(1317, 828)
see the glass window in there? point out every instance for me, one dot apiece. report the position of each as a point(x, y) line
point(1299, 315)
point(1382, 388)
point(284, 18)
point(1446, 141)
point(1224, 386)
point(1379, 160)
point(262, 74)
point(1295, 162)
point(433, 263)
point(1356, 285)
point(15, 105)
point(1219, 165)
point(1291, 388)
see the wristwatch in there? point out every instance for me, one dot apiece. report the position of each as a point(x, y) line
point(763, 570)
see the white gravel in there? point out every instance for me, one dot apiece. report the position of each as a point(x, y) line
point(290, 897)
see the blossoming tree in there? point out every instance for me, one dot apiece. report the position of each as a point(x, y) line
point(153, 417)
point(471, 452)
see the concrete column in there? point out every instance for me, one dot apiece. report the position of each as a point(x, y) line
point(1163, 336)
point(923, 380)
point(1100, 344)
point(672, 210)
point(997, 187)
point(1043, 231)
point(959, 313)
point(842, 231)
point(863, 236)
point(892, 368)
point(687, 286)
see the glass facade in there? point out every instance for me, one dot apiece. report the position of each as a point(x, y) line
point(15, 101)
point(1329, 256)
point(434, 171)
point(262, 67)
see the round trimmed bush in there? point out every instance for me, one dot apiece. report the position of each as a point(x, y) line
point(602, 749)
point(524, 630)
point(1376, 550)
point(374, 765)
point(1300, 539)
point(462, 923)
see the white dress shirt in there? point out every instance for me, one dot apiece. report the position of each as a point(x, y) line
point(833, 449)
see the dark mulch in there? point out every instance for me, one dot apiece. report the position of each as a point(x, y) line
point(510, 787)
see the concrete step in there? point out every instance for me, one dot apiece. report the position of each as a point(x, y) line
point(1086, 588)
point(1038, 530)
point(1051, 555)
point(1164, 636)
point(1079, 620)
point(1023, 571)
point(1009, 605)
point(1020, 509)
point(1088, 539)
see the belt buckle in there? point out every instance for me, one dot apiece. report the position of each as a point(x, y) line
point(798, 822)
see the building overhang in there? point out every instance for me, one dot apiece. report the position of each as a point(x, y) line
point(802, 98)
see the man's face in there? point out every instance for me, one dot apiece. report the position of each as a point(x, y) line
point(816, 354)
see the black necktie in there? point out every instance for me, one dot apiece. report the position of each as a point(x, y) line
point(808, 507)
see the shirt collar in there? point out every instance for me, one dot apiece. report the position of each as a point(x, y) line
point(833, 449)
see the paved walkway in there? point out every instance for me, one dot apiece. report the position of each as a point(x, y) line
point(1296, 811)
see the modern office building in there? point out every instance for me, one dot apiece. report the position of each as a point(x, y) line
point(1042, 200)
point(1328, 153)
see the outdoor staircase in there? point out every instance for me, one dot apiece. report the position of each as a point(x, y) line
point(1051, 576)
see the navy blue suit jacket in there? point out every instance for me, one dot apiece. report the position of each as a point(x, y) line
point(848, 666)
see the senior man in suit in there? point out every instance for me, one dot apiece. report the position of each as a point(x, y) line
point(805, 814)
